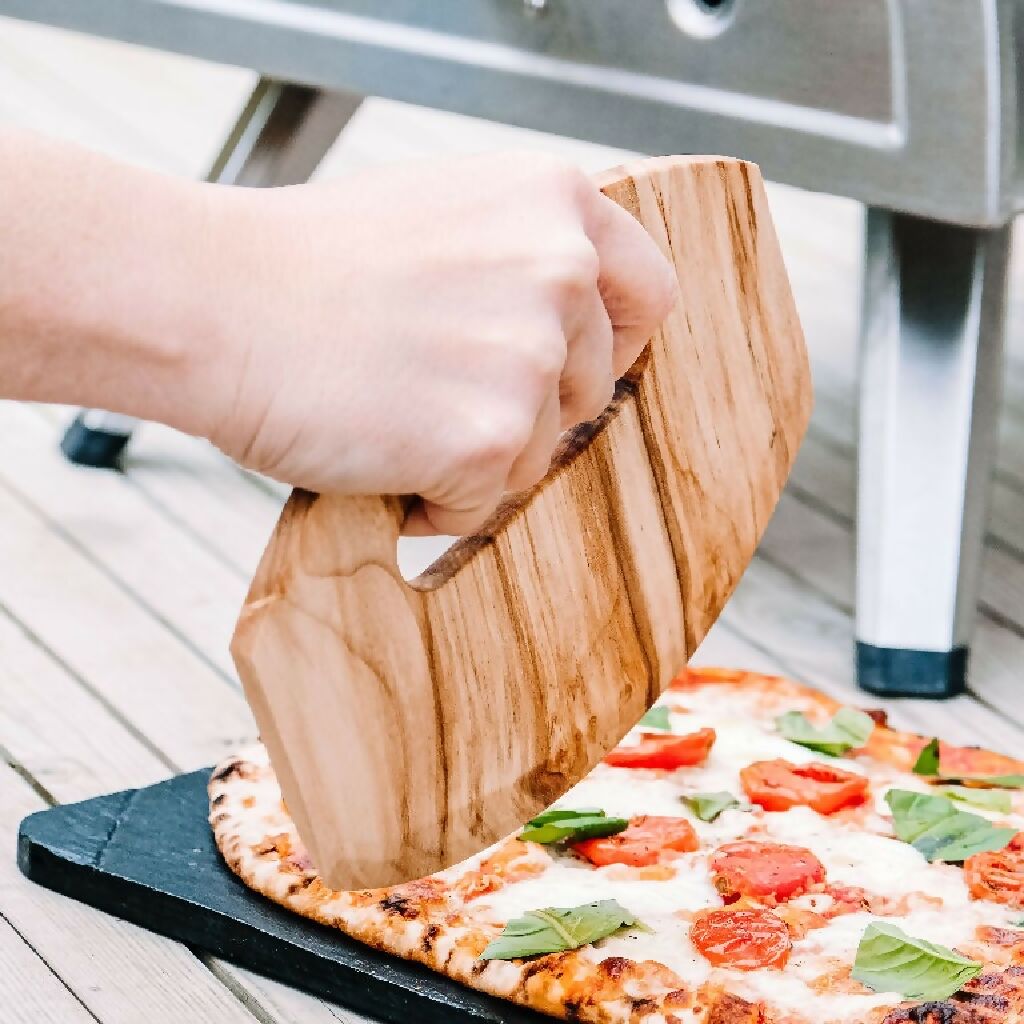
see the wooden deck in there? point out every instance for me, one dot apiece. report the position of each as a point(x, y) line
point(118, 592)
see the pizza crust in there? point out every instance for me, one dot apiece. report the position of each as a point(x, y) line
point(431, 920)
point(445, 921)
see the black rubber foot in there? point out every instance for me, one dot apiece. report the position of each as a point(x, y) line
point(898, 672)
point(85, 446)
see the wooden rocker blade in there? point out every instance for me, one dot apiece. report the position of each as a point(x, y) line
point(412, 724)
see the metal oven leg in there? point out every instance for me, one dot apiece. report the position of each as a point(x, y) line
point(279, 138)
point(930, 389)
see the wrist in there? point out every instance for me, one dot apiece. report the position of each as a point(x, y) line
point(167, 309)
point(228, 290)
point(186, 328)
point(177, 316)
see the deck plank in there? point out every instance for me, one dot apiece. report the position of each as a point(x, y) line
point(31, 991)
point(157, 685)
point(200, 489)
point(67, 740)
point(227, 511)
point(160, 567)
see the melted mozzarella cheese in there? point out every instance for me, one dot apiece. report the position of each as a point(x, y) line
point(878, 863)
point(570, 882)
point(873, 860)
point(740, 741)
point(821, 951)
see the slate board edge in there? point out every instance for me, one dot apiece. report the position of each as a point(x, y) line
point(401, 991)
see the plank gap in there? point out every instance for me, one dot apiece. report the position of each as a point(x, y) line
point(232, 983)
point(27, 777)
point(46, 965)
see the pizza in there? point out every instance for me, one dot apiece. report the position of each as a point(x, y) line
point(752, 852)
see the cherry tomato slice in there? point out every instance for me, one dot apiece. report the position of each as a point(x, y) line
point(998, 875)
point(643, 843)
point(778, 785)
point(747, 940)
point(664, 750)
point(770, 871)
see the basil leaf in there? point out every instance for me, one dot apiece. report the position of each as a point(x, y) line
point(849, 728)
point(939, 830)
point(990, 799)
point(889, 960)
point(927, 762)
point(708, 806)
point(554, 813)
point(574, 829)
point(656, 718)
point(558, 824)
point(552, 930)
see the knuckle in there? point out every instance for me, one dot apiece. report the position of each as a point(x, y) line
point(545, 359)
point(548, 174)
point(569, 177)
point(570, 269)
point(543, 163)
point(559, 185)
point(495, 437)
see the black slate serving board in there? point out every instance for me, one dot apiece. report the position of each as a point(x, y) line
point(148, 856)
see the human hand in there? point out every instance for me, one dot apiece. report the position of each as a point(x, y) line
point(427, 330)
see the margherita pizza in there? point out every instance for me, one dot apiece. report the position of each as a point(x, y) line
point(752, 853)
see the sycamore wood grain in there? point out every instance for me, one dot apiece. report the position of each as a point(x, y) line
point(413, 724)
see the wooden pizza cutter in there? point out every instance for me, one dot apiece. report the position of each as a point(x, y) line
point(412, 724)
